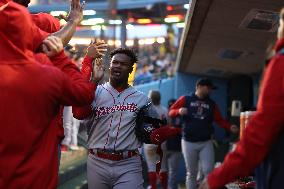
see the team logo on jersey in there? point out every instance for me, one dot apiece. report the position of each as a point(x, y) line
point(102, 110)
point(199, 104)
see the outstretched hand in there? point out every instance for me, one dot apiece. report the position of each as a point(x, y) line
point(75, 13)
point(97, 49)
point(98, 70)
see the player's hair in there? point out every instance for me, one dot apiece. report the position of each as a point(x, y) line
point(155, 97)
point(128, 52)
point(282, 14)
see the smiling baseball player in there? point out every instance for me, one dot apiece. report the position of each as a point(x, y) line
point(114, 160)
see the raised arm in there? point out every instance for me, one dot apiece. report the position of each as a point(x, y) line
point(74, 17)
point(89, 71)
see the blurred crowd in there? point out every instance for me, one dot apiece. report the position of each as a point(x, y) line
point(156, 61)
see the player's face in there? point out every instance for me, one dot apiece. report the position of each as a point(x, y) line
point(120, 67)
point(23, 2)
point(204, 90)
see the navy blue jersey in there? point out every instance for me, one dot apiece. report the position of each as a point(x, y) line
point(197, 124)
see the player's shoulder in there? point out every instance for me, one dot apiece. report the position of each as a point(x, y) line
point(45, 67)
point(46, 73)
point(141, 95)
point(165, 109)
point(103, 85)
point(52, 71)
point(100, 88)
point(162, 108)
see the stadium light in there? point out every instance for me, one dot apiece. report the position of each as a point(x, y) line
point(93, 21)
point(98, 27)
point(144, 21)
point(129, 27)
point(115, 22)
point(172, 19)
point(186, 6)
point(57, 13)
point(89, 12)
point(180, 25)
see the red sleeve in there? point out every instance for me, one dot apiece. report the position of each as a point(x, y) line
point(81, 91)
point(85, 111)
point(82, 112)
point(262, 130)
point(219, 119)
point(86, 69)
point(176, 106)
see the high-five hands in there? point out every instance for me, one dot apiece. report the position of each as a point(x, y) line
point(97, 50)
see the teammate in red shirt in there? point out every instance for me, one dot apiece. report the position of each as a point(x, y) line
point(263, 139)
point(30, 98)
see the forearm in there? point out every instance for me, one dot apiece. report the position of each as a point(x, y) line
point(174, 109)
point(67, 32)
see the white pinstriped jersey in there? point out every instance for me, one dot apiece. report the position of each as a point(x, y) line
point(161, 111)
point(114, 118)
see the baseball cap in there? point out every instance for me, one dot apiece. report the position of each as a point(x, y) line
point(205, 82)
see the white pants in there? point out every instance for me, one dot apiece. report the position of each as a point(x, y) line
point(193, 152)
point(152, 157)
point(71, 127)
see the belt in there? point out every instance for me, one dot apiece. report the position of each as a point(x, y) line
point(113, 155)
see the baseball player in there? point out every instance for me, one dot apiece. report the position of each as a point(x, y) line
point(199, 112)
point(114, 160)
point(150, 150)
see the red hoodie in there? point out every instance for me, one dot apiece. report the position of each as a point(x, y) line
point(38, 34)
point(262, 130)
point(30, 97)
point(46, 22)
point(50, 24)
